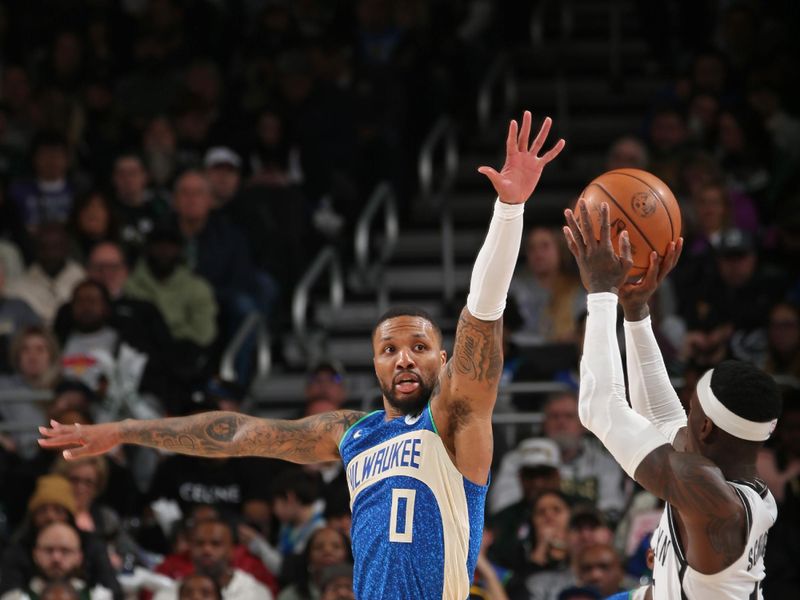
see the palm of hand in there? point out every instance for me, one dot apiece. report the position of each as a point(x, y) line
point(517, 179)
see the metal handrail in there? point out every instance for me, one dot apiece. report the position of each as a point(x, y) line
point(253, 323)
point(500, 71)
point(371, 267)
point(326, 261)
point(442, 134)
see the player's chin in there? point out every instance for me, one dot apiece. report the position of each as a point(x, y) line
point(409, 403)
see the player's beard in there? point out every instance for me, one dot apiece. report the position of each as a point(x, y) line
point(411, 404)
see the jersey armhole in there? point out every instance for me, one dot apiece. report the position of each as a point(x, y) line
point(346, 431)
point(430, 415)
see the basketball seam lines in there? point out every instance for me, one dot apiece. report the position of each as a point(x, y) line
point(627, 216)
point(657, 195)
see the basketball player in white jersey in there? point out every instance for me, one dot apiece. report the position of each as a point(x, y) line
point(418, 469)
point(711, 539)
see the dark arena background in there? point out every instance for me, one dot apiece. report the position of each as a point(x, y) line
point(206, 205)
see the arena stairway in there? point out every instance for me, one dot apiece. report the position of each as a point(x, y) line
point(599, 111)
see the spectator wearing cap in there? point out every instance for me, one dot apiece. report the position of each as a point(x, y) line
point(137, 207)
point(53, 502)
point(535, 463)
point(186, 301)
point(727, 313)
point(223, 169)
point(579, 593)
point(49, 280)
point(587, 471)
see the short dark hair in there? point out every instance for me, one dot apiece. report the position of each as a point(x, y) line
point(407, 311)
point(214, 582)
point(48, 139)
point(304, 485)
point(746, 390)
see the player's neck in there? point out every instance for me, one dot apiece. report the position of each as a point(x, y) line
point(736, 467)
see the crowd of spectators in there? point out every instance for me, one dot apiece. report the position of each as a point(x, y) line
point(168, 167)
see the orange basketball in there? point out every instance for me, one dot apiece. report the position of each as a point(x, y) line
point(640, 203)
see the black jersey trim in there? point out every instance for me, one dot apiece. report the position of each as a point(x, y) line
point(673, 533)
point(747, 509)
point(757, 485)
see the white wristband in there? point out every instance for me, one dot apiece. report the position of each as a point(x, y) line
point(496, 261)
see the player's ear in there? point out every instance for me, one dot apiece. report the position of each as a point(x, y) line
point(706, 429)
point(443, 357)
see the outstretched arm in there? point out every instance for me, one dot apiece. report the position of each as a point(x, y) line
point(693, 484)
point(212, 434)
point(473, 374)
point(651, 391)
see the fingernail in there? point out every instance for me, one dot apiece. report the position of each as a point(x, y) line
point(67, 454)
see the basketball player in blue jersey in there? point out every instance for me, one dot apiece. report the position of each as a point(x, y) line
point(711, 539)
point(418, 470)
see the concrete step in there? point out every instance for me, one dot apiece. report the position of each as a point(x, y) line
point(360, 316)
point(426, 244)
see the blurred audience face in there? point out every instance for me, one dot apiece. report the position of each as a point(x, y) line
point(211, 548)
point(192, 198)
point(258, 514)
point(198, 587)
point(106, 265)
point(224, 181)
point(57, 553)
point(94, 217)
point(16, 88)
point(51, 162)
point(784, 330)
point(90, 311)
point(542, 252)
point(627, 152)
point(788, 431)
point(535, 480)
point(52, 248)
point(130, 180)
point(562, 423)
point(326, 386)
point(49, 513)
point(551, 514)
point(586, 533)
point(85, 480)
point(667, 131)
point(711, 208)
point(599, 566)
point(34, 357)
point(163, 257)
point(709, 74)
point(326, 548)
point(736, 270)
point(731, 136)
point(159, 136)
point(340, 588)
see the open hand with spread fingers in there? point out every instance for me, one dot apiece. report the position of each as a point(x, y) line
point(601, 268)
point(517, 179)
point(80, 440)
point(634, 296)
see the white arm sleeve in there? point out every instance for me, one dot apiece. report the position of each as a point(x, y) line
point(495, 264)
point(603, 408)
point(651, 391)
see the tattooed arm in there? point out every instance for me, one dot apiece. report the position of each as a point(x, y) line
point(213, 434)
point(708, 507)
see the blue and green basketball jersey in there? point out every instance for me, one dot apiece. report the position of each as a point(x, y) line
point(417, 521)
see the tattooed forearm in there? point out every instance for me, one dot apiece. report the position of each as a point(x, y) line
point(478, 352)
point(218, 434)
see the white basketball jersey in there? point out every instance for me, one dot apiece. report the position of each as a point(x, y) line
point(674, 579)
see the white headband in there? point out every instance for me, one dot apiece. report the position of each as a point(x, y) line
point(728, 421)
